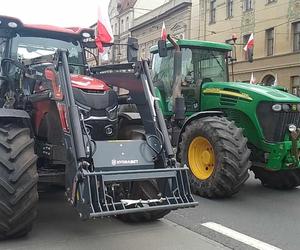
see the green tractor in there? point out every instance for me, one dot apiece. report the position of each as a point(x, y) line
point(222, 129)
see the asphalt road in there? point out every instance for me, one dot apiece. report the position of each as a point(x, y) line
point(267, 215)
point(58, 227)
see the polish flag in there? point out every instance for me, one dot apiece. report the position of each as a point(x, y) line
point(252, 80)
point(163, 32)
point(250, 43)
point(104, 32)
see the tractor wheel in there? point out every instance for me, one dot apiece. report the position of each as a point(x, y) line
point(217, 155)
point(18, 181)
point(282, 179)
point(141, 190)
point(144, 190)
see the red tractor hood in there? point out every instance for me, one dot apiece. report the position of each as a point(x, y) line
point(88, 83)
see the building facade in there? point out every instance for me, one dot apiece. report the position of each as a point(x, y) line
point(276, 28)
point(147, 28)
point(122, 14)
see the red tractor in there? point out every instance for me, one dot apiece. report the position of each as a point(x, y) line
point(60, 124)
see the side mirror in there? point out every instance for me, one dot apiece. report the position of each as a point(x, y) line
point(250, 55)
point(162, 48)
point(132, 49)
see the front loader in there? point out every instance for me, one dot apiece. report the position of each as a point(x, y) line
point(58, 127)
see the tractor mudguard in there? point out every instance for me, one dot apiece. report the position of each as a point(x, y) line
point(197, 116)
point(20, 116)
point(13, 113)
point(131, 116)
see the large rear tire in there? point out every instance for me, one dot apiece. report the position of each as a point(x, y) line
point(217, 155)
point(18, 181)
point(144, 190)
point(282, 179)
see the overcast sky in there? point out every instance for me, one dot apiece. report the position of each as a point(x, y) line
point(55, 12)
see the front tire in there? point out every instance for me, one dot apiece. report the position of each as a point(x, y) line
point(282, 179)
point(217, 155)
point(144, 190)
point(18, 181)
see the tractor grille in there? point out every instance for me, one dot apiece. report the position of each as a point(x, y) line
point(275, 124)
point(228, 100)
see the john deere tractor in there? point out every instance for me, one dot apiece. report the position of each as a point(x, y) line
point(59, 124)
point(219, 126)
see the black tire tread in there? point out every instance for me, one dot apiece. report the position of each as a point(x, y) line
point(232, 156)
point(141, 193)
point(133, 132)
point(282, 179)
point(18, 181)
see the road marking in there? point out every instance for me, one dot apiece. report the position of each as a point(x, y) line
point(240, 237)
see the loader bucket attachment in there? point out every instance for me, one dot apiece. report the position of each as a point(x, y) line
point(96, 201)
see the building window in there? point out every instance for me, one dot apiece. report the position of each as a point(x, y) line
point(270, 41)
point(248, 5)
point(296, 35)
point(268, 80)
point(127, 24)
point(116, 29)
point(229, 8)
point(122, 25)
point(212, 18)
point(245, 40)
point(295, 83)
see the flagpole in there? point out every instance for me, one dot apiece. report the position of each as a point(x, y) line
point(232, 74)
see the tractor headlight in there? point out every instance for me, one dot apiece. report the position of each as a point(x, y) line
point(292, 128)
point(277, 107)
point(12, 25)
point(86, 35)
point(286, 107)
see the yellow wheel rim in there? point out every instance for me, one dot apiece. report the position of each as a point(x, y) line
point(201, 158)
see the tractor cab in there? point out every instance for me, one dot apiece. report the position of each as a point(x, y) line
point(201, 62)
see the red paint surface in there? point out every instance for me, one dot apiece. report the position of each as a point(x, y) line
point(89, 83)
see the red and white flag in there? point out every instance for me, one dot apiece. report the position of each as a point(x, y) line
point(250, 43)
point(163, 32)
point(104, 32)
point(253, 79)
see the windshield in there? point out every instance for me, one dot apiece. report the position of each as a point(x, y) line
point(204, 65)
point(33, 47)
point(2, 48)
point(162, 70)
point(198, 66)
